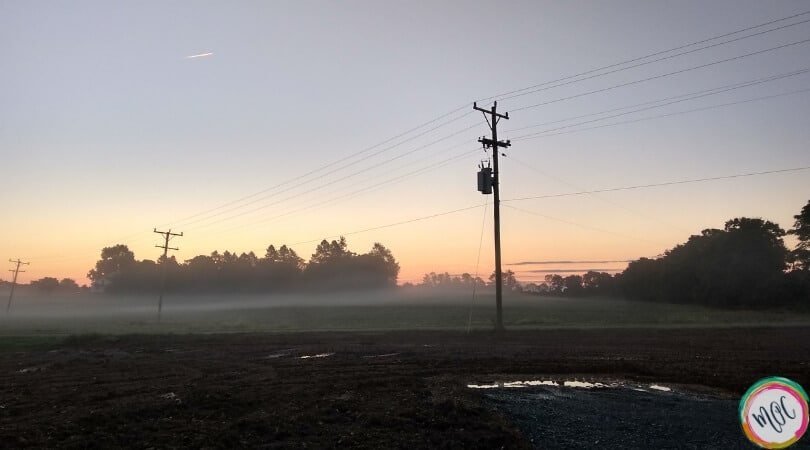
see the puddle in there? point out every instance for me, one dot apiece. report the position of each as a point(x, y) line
point(568, 384)
point(319, 355)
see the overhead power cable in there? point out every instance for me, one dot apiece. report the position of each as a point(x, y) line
point(677, 98)
point(395, 224)
point(587, 227)
point(298, 178)
point(463, 107)
point(649, 62)
point(301, 182)
point(666, 183)
point(339, 198)
point(655, 77)
point(640, 58)
point(330, 185)
point(555, 132)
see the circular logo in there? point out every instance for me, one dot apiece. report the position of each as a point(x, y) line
point(774, 412)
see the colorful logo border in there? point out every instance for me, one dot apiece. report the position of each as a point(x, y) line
point(773, 383)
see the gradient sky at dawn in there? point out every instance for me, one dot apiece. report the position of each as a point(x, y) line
point(108, 129)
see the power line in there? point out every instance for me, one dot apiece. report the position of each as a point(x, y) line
point(629, 61)
point(615, 204)
point(667, 183)
point(334, 200)
point(368, 149)
point(460, 108)
point(587, 227)
point(440, 117)
point(676, 72)
point(395, 224)
point(298, 179)
point(653, 61)
point(677, 98)
point(329, 184)
point(552, 132)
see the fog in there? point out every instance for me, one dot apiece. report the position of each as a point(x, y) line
point(83, 312)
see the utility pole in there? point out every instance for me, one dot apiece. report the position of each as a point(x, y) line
point(16, 271)
point(494, 144)
point(167, 235)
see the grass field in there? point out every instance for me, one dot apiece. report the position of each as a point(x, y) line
point(360, 312)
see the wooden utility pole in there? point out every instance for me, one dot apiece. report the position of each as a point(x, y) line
point(494, 144)
point(16, 271)
point(167, 235)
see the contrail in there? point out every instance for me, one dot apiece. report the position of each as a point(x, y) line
point(199, 55)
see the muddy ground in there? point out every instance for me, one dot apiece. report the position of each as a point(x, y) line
point(391, 390)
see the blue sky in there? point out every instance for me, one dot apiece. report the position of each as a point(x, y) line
point(107, 130)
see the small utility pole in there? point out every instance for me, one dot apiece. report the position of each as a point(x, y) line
point(16, 271)
point(167, 235)
point(494, 144)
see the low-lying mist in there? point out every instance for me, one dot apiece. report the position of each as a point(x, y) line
point(362, 310)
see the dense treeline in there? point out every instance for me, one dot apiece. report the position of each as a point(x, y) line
point(744, 265)
point(331, 267)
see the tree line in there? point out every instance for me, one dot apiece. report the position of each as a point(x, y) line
point(332, 267)
point(590, 283)
point(744, 265)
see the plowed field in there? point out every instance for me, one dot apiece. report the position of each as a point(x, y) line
point(380, 390)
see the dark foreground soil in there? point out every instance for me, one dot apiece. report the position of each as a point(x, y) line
point(391, 390)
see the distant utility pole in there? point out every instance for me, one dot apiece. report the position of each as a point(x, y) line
point(16, 271)
point(167, 235)
point(494, 144)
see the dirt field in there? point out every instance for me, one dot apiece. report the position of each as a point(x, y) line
point(377, 390)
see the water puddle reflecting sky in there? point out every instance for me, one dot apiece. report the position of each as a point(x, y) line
point(568, 384)
point(319, 355)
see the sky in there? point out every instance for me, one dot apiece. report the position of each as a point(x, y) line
point(309, 120)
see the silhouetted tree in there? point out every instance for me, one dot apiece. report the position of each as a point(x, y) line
point(47, 284)
point(600, 283)
point(327, 252)
point(201, 274)
point(280, 269)
point(68, 284)
point(113, 261)
point(384, 266)
point(333, 266)
point(740, 266)
point(508, 281)
point(554, 282)
point(573, 285)
point(444, 280)
point(800, 256)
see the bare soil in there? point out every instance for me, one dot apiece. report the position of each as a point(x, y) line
point(385, 390)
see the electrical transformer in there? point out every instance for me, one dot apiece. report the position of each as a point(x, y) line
point(485, 180)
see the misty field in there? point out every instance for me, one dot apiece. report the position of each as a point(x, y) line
point(378, 370)
point(403, 310)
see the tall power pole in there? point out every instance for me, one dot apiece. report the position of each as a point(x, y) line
point(494, 144)
point(16, 271)
point(167, 235)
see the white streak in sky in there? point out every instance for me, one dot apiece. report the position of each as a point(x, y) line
point(199, 55)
